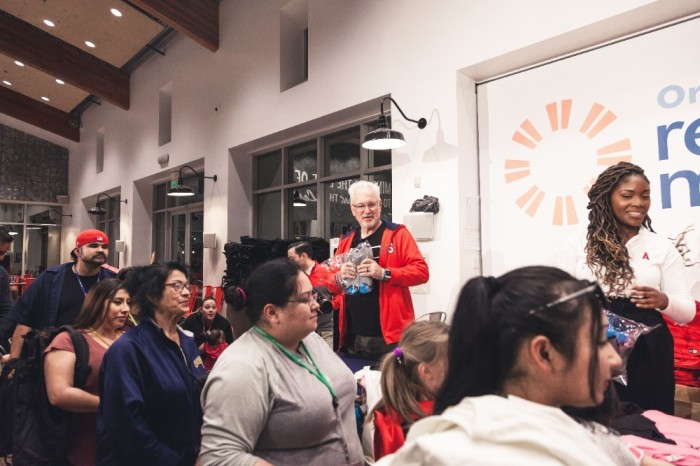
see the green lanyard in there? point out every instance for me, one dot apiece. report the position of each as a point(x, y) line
point(315, 371)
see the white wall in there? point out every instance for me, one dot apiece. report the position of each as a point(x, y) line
point(358, 50)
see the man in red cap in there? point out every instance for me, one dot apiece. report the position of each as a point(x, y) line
point(57, 295)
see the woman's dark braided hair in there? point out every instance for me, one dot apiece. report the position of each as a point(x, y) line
point(606, 253)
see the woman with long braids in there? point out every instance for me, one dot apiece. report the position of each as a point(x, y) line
point(641, 272)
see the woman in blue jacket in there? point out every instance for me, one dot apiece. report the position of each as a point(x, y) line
point(149, 409)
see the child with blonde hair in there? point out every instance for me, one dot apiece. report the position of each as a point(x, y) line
point(411, 377)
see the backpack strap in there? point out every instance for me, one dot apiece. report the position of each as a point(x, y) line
point(82, 355)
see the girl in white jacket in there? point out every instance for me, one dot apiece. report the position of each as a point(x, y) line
point(521, 346)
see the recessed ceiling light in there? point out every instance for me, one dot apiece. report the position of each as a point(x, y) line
point(44, 98)
point(19, 63)
point(60, 81)
point(89, 44)
point(116, 12)
point(7, 83)
point(49, 23)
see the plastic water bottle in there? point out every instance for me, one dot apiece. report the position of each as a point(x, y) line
point(365, 285)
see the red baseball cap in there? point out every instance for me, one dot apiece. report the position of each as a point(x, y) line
point(91, 236)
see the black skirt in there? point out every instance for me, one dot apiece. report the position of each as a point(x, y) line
point(651, 383)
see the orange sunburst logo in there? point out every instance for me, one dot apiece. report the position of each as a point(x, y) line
point(561, 162)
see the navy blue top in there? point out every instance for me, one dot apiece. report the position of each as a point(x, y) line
point(5, 308)
point(39, 305)
point(149, 411)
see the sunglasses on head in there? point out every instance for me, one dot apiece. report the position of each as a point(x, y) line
point(592, 287)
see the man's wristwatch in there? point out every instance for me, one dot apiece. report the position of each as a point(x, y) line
point(386, 275)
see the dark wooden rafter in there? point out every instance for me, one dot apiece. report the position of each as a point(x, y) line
point(39, 114)
point(199, 20)
point(41, 50)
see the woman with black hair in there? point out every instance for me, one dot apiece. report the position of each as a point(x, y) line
point(520, 347)
point(641, 272)
point(278, 394)
point(149, 411)
point(206, 319)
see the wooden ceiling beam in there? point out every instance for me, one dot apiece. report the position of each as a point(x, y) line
point(198, 20)
point(42, 116)
point(22, 41)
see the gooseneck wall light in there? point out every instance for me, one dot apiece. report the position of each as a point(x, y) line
point(181, 189)
point(97, 210)
point(385, 138)
point(61, 213)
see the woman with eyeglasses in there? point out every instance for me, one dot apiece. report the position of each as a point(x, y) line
point(521, 346)
point(641, 272)
point(278, 394)
point(149, 411)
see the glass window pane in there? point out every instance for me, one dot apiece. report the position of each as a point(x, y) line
point(159, 197)
point(55, 215)
point(302, 162)
point(112, 230)
point(114, 207)
point(338, 212)
point(342, 151)
point(177, 238)
point(268, 215)
point(12, 213)
point(384, 181)
point(159, 235)
point(40, 214)
point(43, 246)
point(196, 246)
point(12, 262)
point(378, 158)
point(303, 219)
point(269, 170)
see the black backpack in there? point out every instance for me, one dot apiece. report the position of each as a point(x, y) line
point(39, 431)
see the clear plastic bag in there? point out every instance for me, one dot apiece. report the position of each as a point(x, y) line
point(355, 256)
point(625, 333)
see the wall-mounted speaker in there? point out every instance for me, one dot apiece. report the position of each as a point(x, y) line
point(163, 159)
point(120, 246)
point(209, 240)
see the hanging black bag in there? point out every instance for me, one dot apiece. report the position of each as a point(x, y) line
point(427, 204)
point(40, 430)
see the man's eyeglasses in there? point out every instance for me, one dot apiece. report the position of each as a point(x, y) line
point(369, 205)
point(592, 288)
point(178, 286)
point(308, 301)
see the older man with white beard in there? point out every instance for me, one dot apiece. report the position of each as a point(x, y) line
point(371, 324)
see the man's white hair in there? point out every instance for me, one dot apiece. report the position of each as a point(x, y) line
point(364, 186)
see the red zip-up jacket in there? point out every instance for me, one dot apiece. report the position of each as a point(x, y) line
point(399, 253)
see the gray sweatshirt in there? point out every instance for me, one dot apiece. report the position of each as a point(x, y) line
point(259, 404)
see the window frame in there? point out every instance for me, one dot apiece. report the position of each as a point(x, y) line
point(173, 206)
point(110, 223)
point(287, 186)
point(48, 257)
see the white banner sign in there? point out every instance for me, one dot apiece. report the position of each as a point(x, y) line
point(545, 134)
